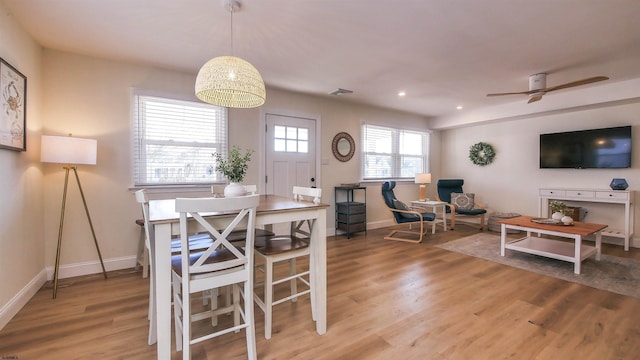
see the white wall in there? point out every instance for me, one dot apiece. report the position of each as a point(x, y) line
point(90, 98)
point(511, 182)
point(21, 231)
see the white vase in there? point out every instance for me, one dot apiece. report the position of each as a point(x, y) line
point(567, 220)
point(556, 215)
point(234, 189)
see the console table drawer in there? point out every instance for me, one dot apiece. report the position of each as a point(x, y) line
point(552, 192)
point(582, 194)
point(612, 195)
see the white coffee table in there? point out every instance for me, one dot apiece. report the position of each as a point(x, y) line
point(432, 206)
point(574, 252)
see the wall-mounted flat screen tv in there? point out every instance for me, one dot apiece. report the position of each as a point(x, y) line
point(587, 149)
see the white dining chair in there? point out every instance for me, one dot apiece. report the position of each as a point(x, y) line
point(197, 242)
point(273, 250)
point(220, 266)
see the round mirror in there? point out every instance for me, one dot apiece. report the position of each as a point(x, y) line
point(343, 146)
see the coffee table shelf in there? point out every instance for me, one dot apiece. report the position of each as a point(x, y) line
point(554, 249)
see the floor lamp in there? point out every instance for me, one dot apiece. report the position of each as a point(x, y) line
point(423, 179)
point(70, 151)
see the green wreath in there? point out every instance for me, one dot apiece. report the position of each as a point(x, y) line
point(482, 154)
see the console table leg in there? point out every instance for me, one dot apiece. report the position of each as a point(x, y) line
point(577, 255)
point(503, 238)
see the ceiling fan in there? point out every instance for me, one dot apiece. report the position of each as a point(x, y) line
point(538, 86)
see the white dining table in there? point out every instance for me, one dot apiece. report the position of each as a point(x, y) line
point(273, 209)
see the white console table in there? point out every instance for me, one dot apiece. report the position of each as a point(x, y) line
point(622, 197)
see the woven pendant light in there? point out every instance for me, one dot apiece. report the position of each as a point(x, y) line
point(228, 80)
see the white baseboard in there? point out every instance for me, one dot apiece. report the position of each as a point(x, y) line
point(10, 309)
point(380, 224)
point(92, 267)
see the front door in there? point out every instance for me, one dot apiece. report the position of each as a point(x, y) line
point(290, 149)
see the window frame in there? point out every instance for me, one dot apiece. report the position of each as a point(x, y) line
point(396, 157)
point(139, 157)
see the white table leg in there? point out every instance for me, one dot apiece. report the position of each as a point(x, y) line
point(319, 253)
point(598, 245)
point(162, 250)
point(577, 258)
point(503, 238)
point(444, 217)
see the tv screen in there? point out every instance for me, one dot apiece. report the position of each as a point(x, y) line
point(587, 149)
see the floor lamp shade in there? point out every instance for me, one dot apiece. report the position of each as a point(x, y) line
point(68, 150)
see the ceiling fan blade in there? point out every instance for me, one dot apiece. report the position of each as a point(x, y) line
point(576, 83)
point(511, 93)
point(534, 99)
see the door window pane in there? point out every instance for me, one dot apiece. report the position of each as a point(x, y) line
point(290, 139)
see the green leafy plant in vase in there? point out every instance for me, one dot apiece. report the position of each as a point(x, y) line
point(558, 209)
point(234, 168)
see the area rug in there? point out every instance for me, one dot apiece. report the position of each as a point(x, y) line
point(611, 273)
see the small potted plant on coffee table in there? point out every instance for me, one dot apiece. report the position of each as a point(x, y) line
point(558, 209)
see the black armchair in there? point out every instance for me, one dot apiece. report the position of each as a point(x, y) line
point(402, 214)
point(461, 207)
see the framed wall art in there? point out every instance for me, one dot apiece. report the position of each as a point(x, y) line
point(13, 108)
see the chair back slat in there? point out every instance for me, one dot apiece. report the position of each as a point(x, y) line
point(300, 193)
point(243, 211)
point(305, 193)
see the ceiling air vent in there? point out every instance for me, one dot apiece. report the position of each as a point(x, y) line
point(340, 91)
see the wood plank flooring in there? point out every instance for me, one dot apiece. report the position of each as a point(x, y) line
point(386, 300)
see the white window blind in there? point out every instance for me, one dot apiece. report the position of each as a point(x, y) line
point(390, 153)
point(174, 141)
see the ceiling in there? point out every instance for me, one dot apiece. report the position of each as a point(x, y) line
point(442, 53)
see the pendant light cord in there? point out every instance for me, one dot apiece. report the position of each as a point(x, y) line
point(231, 32)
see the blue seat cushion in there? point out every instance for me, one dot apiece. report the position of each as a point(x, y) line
point(426, 216)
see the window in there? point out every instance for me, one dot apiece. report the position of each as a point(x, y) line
point(390, 153)
point(174, 141)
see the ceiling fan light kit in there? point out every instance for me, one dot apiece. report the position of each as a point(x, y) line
point(538, 86)
point(537, 81)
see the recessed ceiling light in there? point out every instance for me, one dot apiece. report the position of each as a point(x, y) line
point(459, 107)
point(402, 93)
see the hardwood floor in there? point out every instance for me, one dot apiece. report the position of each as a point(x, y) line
point(386, 300)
